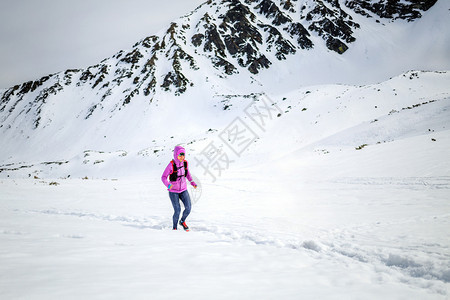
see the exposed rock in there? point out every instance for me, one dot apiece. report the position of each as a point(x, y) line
point(221, 63)
point(6, 97)
point(270, 10)
point(297, 29)
point(41, 100)
point(133, 57)
point(275, 39)
point(391, 9)
point(101, 75)
point(197, 39)
point(148, 42)
point(261, 62)
point(213, 41)
point(333, 25)
point(288, 5)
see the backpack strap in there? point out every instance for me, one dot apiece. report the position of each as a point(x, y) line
point(173, 176)
point(174, 166)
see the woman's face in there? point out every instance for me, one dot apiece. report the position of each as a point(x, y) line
point(181, 156)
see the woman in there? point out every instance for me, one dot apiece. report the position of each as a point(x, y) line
point(177, 171)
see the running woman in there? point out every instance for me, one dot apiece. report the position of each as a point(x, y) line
point(174, 178)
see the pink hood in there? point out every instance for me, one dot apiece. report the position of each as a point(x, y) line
point(176, 151)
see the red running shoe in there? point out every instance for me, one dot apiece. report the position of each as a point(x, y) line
point(185, 227)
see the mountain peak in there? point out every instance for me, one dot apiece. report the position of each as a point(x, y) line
point(222, 39)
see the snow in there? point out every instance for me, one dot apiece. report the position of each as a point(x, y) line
point(355, 238)
point(301, 213)
point(341, 190)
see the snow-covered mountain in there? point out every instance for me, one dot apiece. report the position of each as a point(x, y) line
point(318, 133)
point(179, 81)
point(233, 36)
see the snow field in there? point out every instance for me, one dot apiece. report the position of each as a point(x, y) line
point(112, 239)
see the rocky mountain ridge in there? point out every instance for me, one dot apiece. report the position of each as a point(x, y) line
point(232, 36)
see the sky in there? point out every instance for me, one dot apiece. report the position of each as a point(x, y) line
point(43, 37)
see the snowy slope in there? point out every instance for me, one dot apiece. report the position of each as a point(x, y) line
point(329, 180)
point(121, 103)
point(316, 120)
point(299, 213)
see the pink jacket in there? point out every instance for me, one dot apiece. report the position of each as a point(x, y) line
point(179, 186)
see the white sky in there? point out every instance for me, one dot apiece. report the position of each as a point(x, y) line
point(38, 38)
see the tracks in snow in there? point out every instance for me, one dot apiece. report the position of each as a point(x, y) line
point(420, 267)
